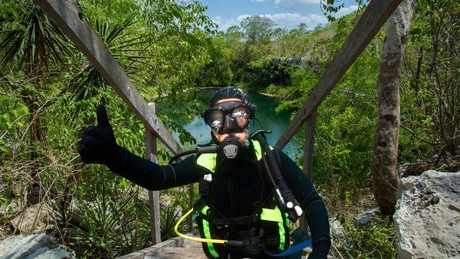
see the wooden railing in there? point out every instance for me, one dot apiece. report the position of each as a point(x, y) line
point(71, 21)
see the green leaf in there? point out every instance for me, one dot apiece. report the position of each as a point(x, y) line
point(4, 149)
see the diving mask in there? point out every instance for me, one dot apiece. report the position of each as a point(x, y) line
point(229, 117)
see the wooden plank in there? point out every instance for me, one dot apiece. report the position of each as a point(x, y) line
point(373, 18)
point(69, 18)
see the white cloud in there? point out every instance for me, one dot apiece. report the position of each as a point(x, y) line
point(282, 20)
point(292, 20)
point(241, 17)
point(289, 19)
point(224, 24)
point(297, 4)
point(346, 10)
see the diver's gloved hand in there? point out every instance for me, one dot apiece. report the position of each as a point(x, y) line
point(98, 144)
point(320, 251)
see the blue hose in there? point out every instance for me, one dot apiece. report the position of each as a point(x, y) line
point(292, 250)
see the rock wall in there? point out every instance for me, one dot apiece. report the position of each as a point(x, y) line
point(427, 217)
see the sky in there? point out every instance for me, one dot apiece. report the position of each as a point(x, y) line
point(286, 14)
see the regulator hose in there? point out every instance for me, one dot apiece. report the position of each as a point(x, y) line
point(199, 150)
point(282, 191)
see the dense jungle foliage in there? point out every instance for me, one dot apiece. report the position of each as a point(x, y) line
point(170, 49)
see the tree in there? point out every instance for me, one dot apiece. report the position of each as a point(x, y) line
point(385, 157)
point(239, 56)
point(217, 72)
point(331, 7)
point(258, 29)
point(30, 43)
point(435, 77)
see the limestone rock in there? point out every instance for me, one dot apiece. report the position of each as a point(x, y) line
point(336, 227)
point(33, 219)
point(367, 218)
point(38, 246)
point(427, 217)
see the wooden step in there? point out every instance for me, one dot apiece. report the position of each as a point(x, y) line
point(176, 247)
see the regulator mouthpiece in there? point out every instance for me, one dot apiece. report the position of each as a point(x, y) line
point(231, 148)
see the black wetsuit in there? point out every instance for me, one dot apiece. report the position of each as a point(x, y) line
point(237, 188)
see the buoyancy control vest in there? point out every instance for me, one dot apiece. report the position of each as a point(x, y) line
point(265, 227)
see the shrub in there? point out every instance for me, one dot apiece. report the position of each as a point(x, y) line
point(378, 240)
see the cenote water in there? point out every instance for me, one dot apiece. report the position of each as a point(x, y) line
point(266, 118)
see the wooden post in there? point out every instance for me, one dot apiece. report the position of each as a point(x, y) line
point(191, 203)
point(310, 131)
point(154, 196)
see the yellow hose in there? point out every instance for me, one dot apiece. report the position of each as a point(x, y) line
point(197, 239)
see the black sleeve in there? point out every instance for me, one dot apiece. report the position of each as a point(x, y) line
point(310, 201)
point(151, 175)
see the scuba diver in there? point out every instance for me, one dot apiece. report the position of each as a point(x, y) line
point(249, 191)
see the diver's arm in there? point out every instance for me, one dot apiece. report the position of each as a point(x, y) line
point(98, 146)
point(151, 175)
point(312, 205)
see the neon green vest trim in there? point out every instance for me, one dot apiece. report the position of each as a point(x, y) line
point(271, 215)
point(208, 161)
point(275, 215)
point(207, 233)
point(258, 150)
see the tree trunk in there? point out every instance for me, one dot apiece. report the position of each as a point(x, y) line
point(384, 160)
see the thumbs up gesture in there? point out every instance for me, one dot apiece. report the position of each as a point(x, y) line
point(98, 144)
